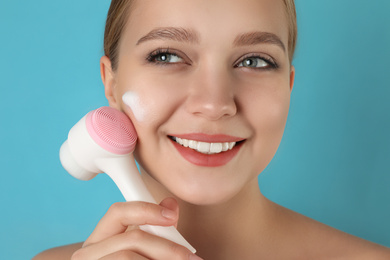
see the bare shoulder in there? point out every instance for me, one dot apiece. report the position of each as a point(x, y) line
point(59, 253)
point(314, 240)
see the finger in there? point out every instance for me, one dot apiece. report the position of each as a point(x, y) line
point(140, 242)
point(124, 214)
point(123, 255)
point(171, 204)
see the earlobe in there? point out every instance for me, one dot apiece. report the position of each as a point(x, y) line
point(292, 77)
point(108, 78)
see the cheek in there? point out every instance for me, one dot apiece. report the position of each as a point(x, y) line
point(144, 108)
point(273, 113)
point(267, 105)
point(268, 111)
point(147, 107)
point(148, 100)
point(137, 92)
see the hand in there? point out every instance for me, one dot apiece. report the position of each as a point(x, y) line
point(117, 235)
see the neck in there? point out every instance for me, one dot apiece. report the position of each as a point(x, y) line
point(220, 231)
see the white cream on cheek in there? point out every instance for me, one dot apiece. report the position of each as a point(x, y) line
point(132, 100)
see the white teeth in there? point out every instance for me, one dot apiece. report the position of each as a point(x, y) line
point(192, 144)
point(203, 147)
point(179, 140)
point(216, 148)
point(206, 148)
point(225, 146)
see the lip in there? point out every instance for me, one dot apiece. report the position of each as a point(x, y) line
point(208, 160)
point(200, 137)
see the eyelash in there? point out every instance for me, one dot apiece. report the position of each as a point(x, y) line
point(271, 63)
point(151, 58)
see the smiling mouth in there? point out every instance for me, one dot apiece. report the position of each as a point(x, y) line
point(205, 147)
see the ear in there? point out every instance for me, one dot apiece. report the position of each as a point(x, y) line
point(292, 77)
point(109, 81)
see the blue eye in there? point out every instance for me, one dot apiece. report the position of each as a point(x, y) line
point(167, 57)
point(254, 62)
point(257, 61)
point(164, 57)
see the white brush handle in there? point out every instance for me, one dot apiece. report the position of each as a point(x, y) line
point(123, 171)
point(84, 156)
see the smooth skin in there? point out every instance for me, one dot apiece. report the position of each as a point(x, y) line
point(208, 82)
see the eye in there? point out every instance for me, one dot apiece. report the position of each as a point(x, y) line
point(253, 62)
point(167, 57)
point(257, 62)
point(164, 57)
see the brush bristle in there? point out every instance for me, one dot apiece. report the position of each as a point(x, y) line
point(112, 130)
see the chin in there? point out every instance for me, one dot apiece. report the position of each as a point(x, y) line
point(203, 200)
point(205, 195)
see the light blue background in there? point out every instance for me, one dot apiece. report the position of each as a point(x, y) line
point(332, 165)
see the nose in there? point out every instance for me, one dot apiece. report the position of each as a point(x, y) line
point(211, 94)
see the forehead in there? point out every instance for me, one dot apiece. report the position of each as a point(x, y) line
point(211, 19)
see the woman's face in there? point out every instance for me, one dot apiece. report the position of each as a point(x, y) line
point(206, 72)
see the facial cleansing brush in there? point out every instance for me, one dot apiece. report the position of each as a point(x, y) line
point(103, 141)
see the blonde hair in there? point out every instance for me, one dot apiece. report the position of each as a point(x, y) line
point(292, 27)
point(119, 13)
point(117, 16)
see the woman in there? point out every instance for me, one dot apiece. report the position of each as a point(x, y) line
point(207, 85)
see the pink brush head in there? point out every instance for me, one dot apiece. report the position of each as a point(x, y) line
point(103, 133)
point(112, 130)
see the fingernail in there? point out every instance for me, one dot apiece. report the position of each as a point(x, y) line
point(169, 214)
point(195, 257)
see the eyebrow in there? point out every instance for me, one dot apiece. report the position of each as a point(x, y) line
point(190, 36)
point(253, 38)
point(171, 33)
